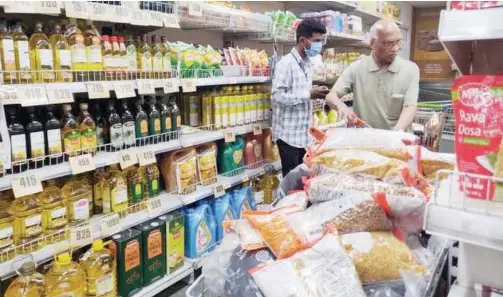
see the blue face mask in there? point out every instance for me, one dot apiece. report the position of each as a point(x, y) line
point(314, 50)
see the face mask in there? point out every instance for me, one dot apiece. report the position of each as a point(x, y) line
point(314, 50)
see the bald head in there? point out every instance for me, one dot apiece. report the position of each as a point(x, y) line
point(385, 38)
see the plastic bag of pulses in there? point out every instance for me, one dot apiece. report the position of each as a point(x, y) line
point(324, 270)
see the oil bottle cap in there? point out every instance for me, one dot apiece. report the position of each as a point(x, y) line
point(97, 245)
point(121, 39)
point(104, 38)
point(63, 259)
point(113, 38)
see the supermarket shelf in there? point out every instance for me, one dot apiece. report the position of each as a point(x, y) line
point(166, 282)
point(217, 81)
point(103, 159)
point(333, 36)
point(458, 291)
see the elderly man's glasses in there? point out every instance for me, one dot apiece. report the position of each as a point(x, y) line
point(392, 44)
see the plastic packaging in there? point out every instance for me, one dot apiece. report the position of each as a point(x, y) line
point(222, 209)
point(230, 157)
point(379, 256)
point(295, 199)
point(249, 237)
point(178, 169)
point(242, 200)
point(323, 270)
point(207, 163)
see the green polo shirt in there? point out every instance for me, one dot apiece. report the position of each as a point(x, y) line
point(380, 96)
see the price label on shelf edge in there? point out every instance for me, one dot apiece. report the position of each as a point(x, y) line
point(98, 11)
point(81, 235)
point(155, 206)
point(110, 224)
point(77, 9)
point(257, 129)
point(26, 184)
point(8, 95)
point(229, 136)
point(218, 190)
point(124, 89)
point(196, 9)
point(127, 159)
point(170, 20)
point(171, 85)
point(47, 7)
point(245, 178)
point(121, 14)
point(31, 96)
point(97, 90)
point(155, 19)
point(19, 7)
point(189, 85)
point(59, 93)
point(82, 163)
point(145, 86)
point(146, 157)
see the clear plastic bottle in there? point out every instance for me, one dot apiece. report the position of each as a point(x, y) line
point(22, 51)
point(99, 267)
point(144, 58)
point(76, 41)
point(116, 57)
point(92, 40)
point(7, 54)
point(29, 282)
point(27, 223)
point(87, 129)
point(54, 219)
point(70, 132)
point(65, 278)
point(115, 195)
point(79, 195)
point(41, 55)
point(108, 58)
point(62, 55)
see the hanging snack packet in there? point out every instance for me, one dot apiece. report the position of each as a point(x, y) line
point(478, 109)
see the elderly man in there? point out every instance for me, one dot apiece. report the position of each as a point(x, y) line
point(385, 87)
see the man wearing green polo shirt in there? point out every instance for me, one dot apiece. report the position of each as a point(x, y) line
point(385, 87)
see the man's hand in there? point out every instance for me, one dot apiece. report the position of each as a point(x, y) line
point(349, 116)
point(319, 92)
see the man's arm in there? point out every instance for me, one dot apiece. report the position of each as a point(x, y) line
point(281, 87)
point(342, 87)
point(409, 102)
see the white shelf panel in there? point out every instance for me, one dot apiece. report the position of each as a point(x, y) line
point(458, 291)
point(469, 25)
point(103, 159)
point(166, 282)
point(223, 80)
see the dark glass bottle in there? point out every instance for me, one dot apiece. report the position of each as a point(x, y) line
point(36, 140)
point(165, 118)
point(154, 120)
point(176, 119)
point(17, 142)
point(53, 144)
point(128, 126)
point(115, 132)
point(141, 124)
point(101, 128)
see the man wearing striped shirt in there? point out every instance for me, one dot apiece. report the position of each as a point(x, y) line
point(292, 91)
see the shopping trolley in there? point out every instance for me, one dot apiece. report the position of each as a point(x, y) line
point(434, 121)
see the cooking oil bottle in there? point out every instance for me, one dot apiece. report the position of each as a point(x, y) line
point(27, 223)
point(240, 108)
point(270, 184)
point(253, 103)
point(216, 100)
point(246, 104)
point(41, 55)
point(157, 55)
point(22, 51)
point(98, 181)
point(232, 111)
point(29, 282)
point(92, 40)
point(65, 278)
point(62, 55)
point(6, 227)
point(115, 194)
point(99, 267)
point(80, 199)
point(135, 181)
point(131, 57)
point(144, 58)
point(108, 57)
point(87, 130)
point(151, 186)
point(54, 220)
point(7, 53)
point(76, 41)
point(206, 108)
point(166, 58)
point(224, 107)
point(70, 132)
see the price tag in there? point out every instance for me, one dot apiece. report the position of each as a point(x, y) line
point(155, 19)
point(8, 95)
point(81, 235)
point(76, 9)
point(146, 157)
point(155, 206)
point(130, 4)
point(82, 163)
point(124, 89)
point(262, 171)
point(127, 159)
point(218, 191)
point(97, 90)
point(171, 21)
point(196, 9)
point(47, 7)
point(26, 184)
point(121, 14)
point(59, 93)
point(110, 224)
point(257, 129)
point(33, 95)
point(145, 86)
point(189, 85)
point(19, 7)
point(98, 12)
point(171, 85)
point(185, 141)
point(245, 178)
point(229, 136)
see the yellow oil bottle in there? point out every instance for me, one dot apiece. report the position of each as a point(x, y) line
point(224, 107)
point(27, 223)
point(151, 176)
point(206, 108)
point(135, 180)
point(22, 51)
point(62, 55)
point(41, 56)
point(246, 104)
point(253, 103)
point(99, 267)
point(115, 194)
point(87, 129)
point(6, 227)
point(76, 41)
point(79, 195)
point(270, 184)
point(65, 278)
point(216, 100)
point(7, 54)
point(232, 111)
point(92, 40)
point(98, 183)
point(54, 219)
point(29, 282)
point(144, 54)
point(240, 108)
point(70, 132)
point(157, 56)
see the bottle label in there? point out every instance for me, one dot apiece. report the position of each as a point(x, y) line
point(18, 143)
point(237, 156)
point(136, 191)
point(128, 131)
point(203, 237)
point(104, 285)
point(58, 213)
point(108, 62)
point(131, 58)
point(94, 54)
point(157, 61)
point(37, 144)
point(88, 137)
point(116, 135)
point(54, 141)
point(154, 244)
point(100, 135)
point(144, 127)
point(146, 62)
point(72, 140)
point(45, 62)
point(5, 233)
point(58, 218)
point(167, 123)
point(178, 122)
point(33, 221)
point(79, 54)
point(9, 55)
point(23, 55)
point(118, 195)
point(153, 187)
point(132, 255)
point(81, 210)
point(65, 59)
point(157, 126)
